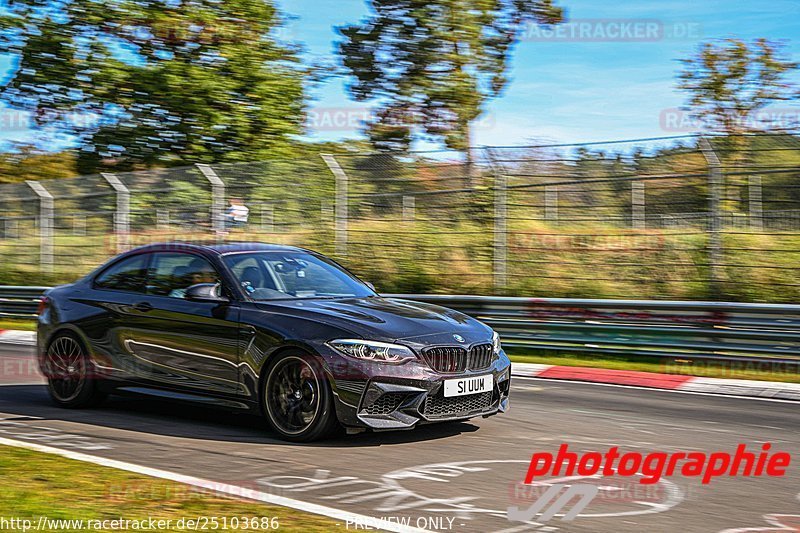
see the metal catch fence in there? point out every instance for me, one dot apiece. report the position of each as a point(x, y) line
point(682, 218)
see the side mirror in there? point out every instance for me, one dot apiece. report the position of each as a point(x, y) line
point(370, 285)
point(205, 292)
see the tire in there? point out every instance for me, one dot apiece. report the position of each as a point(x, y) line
point(69, 376)
point(296, 398)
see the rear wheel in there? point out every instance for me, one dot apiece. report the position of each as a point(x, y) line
point(69, 378)
point(297, 398)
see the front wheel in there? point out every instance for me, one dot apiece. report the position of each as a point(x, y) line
point(69, 378)
point(297, 398)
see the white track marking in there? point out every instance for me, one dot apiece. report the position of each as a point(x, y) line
point(220, 488)
point(736, 388)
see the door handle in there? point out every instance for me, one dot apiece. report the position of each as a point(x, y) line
point(143, 306)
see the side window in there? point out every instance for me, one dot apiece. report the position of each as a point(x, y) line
point(126, 275)
point(172, 273)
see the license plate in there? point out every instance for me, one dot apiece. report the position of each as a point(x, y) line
point(471, 385)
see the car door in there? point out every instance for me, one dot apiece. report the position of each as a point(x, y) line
point(114, 292)
point(180, 343)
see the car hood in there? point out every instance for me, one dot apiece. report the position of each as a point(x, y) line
point(387, 319)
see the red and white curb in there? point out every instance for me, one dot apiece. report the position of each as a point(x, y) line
point(12, 336)
point(652, 380)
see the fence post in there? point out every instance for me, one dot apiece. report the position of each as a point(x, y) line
point(715, 185)
point(550, 203)
point(500, 244)
point(637, 205)
point(122, 215)
point(217, 196)
point(341, 198)
point(409, 208)
point(46, 212)
point(755, 203)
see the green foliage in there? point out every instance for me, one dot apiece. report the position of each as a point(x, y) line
point(30, 164)
point(728, 81)
point(173, 82)
point(418, 257)
point(431, 65)
point(445, 243)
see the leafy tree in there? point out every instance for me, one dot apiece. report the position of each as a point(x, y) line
point(728, 81)
point(431, 65)
point(26, 163)
point(169, 82)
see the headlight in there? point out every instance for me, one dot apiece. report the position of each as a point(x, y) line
point(382, 352)
point(496, 342)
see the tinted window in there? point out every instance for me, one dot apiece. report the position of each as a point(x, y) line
point(280, 275)
point(172, 273)
point(126, 275)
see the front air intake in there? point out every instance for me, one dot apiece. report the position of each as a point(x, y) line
point(447, 359)
point(453, 359)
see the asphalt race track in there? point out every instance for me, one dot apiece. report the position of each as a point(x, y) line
point(459, 477)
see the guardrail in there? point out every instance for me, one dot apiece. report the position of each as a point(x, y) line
point(713, 330)
point(19, 302)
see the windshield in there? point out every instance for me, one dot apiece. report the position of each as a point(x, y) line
point(280, 275)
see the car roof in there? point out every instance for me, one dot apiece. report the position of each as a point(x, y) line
point(219, 248)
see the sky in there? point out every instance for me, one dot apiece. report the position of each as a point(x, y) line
point(609, 74)
point(565, 89)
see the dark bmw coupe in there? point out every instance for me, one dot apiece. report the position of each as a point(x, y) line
point(275, 329)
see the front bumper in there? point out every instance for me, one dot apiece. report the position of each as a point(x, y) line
point(383, 397)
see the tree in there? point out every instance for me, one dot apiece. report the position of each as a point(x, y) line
point(26, 163)
point(431, 65)
point(728, 81)
point(139, 83)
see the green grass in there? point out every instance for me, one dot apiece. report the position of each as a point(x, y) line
point(13, 323)
point(39, 484)
point(588, 260)
point(666, 365)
